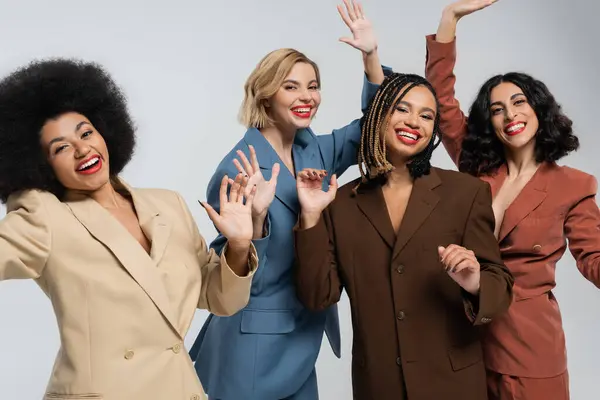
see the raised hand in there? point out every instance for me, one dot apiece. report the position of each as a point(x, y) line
point(466, 7)
point(462, 266)
point(265, 190)
point(363, 38)
point(235, 218)
point(311, 196)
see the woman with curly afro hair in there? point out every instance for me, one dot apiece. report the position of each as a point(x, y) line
point(124, 268)
point(513, 137)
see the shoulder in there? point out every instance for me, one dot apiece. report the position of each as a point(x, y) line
point(573, 180)
point(31, 200)
point(459, 179)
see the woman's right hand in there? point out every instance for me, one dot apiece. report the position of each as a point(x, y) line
point(465, 7)
point(311, 196)
point(453, 13)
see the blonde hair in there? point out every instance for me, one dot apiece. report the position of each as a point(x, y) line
point(264, 82)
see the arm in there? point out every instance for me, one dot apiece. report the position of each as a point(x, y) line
point(25, 237)
point(223, 292)
point(582, 228)
point(318, 283)
point(496, 282)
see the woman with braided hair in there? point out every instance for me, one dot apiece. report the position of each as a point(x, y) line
point(413, 246)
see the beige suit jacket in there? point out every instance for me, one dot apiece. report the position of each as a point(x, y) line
point(122, 314)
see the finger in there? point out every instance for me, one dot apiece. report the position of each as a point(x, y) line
point(349, 41)
point(239, 167)
point(350, 10)
point(223, 191)
point(463, 265)
point(254, 158)
point(448, 250)
point(333, 184)
point(455, 259)
point(235, 189)
point(212, 214)
point(274, 173)
point(345, 18)
point(361, 11)
point(246, 163)
point(357, 10)
point(250, 197)
point(242, 190)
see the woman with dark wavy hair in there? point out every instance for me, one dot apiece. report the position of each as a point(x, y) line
point(513, 137)
point(124, 268)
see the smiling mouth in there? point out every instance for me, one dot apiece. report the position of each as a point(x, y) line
point(409, 138)
point(515, 129)
point(90, 166)
point(302, 112)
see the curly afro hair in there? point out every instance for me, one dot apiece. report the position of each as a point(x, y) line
point(483, 153)
point(44, 90)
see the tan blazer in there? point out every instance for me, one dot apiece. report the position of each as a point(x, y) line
point(122, 314)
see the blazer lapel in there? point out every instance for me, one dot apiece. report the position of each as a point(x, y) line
point(109, 231)
point(530, 197)
point(421, 203)
point(372, 204)
point(156, 228)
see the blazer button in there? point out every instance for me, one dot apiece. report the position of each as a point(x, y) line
point(400, 269)
point(401, 315)
point(537, 248)
point(176, 348)
point(129, 354)
point(195, 397)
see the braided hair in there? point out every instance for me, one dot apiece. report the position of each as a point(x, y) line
point(372, 157)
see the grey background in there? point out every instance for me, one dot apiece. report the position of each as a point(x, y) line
point(183, 66)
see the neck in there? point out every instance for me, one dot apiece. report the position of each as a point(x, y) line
point(399, 177)
point(521, 161)
point(106, 196)
point(280, 139)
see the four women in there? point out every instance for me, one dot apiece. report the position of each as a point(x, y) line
point(427, 256)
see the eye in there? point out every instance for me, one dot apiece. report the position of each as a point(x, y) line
point(496, 111)
point(60, 148)
point(520, 101)
point(427, 117)
point(313, 87)
point(289, 87)
point(86, 134)
point(401, 109)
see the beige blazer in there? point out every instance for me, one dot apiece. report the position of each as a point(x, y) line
point(122, 314)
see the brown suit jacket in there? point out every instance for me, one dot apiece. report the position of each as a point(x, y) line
point(415, 329)
point(556, 205)
point(122, 313)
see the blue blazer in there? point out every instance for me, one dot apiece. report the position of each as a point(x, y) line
point(268, 350)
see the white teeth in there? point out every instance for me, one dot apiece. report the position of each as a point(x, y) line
point(89, 163)
point(515, 127)
point(301, 110)
point(408, 135)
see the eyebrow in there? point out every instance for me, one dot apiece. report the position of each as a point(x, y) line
point(514, 96)
point(298, 83)
point(422, 109)
point(61, 138)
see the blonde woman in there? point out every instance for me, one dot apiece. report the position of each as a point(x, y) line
point(269, 349)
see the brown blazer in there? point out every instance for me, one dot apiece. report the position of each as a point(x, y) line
point(415, 329)
point(556, 205)
point(122, 314)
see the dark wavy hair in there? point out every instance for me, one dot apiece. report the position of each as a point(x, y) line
point(372, 161)
point(483, 153)
point(42, 91)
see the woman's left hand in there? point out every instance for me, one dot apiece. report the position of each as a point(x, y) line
point(235, 218)
point(462, 266)
point(363, 37)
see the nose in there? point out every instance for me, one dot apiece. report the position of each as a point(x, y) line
point(305, 95)
point(81, 150)
point(510, 113)
point(412, 120)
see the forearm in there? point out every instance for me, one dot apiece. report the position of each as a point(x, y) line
point(447, 27)
point(258, 224)
point(373, 68)
point(237, 255)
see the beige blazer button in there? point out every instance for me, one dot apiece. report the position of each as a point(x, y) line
point(195, 397)
point(537, 248)
point(129, 354)
point(177, 348)
point(485, 320)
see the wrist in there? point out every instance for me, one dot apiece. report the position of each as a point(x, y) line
point(309, 219)
point(370, 53)
point(239, 246)
point(449, 15)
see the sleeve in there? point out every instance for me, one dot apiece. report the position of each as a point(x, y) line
point(439, 71)
point(318, 284)
point(495, 293)
point(212, 195)
point(223, 292)
point(582, 228)
point(340, 148)
point(25, 237)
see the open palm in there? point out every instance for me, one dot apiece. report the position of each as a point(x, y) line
point(363, 37)
point(265, 190)
point(234, 220)
point(311, 196)
point(466, 7)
